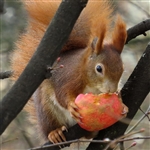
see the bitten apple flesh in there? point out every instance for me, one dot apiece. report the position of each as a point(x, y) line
point(99, 111)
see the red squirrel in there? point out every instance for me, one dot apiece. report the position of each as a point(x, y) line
point(91, 59)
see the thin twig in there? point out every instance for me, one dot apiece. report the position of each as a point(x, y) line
point(46, 53)
point(114, 142)
point(68, 142)
point(146, 114)
point(93, 141)
point(137, 123)
point(134, 138)
point(132, 145)
point(6, 74)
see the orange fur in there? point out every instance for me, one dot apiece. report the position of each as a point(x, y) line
point(95, 15)
point(119, 34)
point(78, 57)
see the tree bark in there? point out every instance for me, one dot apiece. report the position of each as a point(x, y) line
point(133, 94)
point(46, 54)
point(138, 29)
point(1, 6)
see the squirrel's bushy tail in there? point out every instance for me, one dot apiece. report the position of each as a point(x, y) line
point(95, 16)
point(94, 21)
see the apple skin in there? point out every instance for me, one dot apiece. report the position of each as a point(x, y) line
point(99, 111)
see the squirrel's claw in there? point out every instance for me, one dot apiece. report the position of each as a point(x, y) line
point(57, 136)
point(125, 110)
point(73, 109)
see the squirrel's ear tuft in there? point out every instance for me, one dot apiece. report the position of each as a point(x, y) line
point(119, 34)
point(93, 44)
point(97, 43)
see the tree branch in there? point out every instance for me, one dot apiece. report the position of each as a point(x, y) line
point(76, 132)
point(132, 32)
point(46, 54)
point(1, 6)
point(6, 74)
point(138, 29)
point(133, 94)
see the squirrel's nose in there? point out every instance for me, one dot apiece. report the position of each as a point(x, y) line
point(111, 89)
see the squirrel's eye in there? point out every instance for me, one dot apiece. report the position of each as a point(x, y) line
point(99, 68)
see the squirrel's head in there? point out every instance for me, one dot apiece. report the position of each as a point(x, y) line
point(104, 64)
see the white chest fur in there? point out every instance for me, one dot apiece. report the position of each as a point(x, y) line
point(63, 115)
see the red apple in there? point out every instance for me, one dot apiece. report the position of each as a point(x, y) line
point(99, 111)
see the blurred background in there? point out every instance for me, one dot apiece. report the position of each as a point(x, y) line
point(21, 133)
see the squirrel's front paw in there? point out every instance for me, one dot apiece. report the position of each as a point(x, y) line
point(73, 109)
point(57, 136)
point(125, 110)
